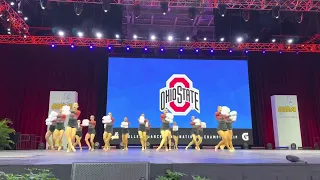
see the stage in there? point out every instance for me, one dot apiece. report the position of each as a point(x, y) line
point(262, 164)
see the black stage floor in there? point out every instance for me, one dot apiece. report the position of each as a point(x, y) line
point(220, 165)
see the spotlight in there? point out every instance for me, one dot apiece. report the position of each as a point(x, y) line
point(136, 11)
point(211, 50)
point(205, 39)
point(256, 40)
point(273, 40)
point(246, 51)
point(61, 33)
point(197, 50)
point(99, 35)
point(161, 49)
point(192, 13)
point(72, 46)
point(239, 39)
point(181, 50)
point(9, 32)
point(222, 9)
point(297, 52)
point(280, 52)
point(135, 36)
point(153, 37)
point(91, 46)
point(8, 29)
point(52, 45)
point(145, 49)
point(263, 51)
point(170, 38)
point(109, 47)
point(230, 50)
point(80, 34)
point(24, 36)
point(106, 5)
point(78, 8)
point(25, 18)
point(128, 48)
point(117, 36)
point(276, 12)
point(290, 41)
point(11, 3)
point(221, 39)
point(43, 4)
point(187, 38)
point(164, 7)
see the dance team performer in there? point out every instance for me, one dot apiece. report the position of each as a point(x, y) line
point(148, 129)
point(142, 131)
point(108, 131)
point(222, 116)
point(51, 121)
point(72, 126)
point(125, 133)
point(91, 133)
point(175, 135)
point(200, 133)
point(78, 135)
point(230, 120)
point(195, 123)
point(59, 131)
point(166, 119)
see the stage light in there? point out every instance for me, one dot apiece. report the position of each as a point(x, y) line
point(230, 50)
point(181, 50)
point(161, 49)
point(256, 40)
point(221, 39)
point(246, 51)
point(205, 39)
point(280, 52)
point(117, 36)
point(276, 12)
point(80, 34)
point(12, 3)
point(99, 35)
point(8, 29)
point(170, 38)
point(145, 49)
point(164, 7)
point(61, 33)
point(128, 48)
point(192, 13)
point(290, 41)
point(109, 47)
point(222, 9)
point(52, 45)
point(106, 5)
point(78, 8)
point(197, 50)
point(25, 18)
point(263, 51)
point(187, 38)
point(273, 40)
point(211, 50)
point(9, 32)
point(43, 4)
point(24, 36)
point(91, 46)
point(239, 40)
point(136, 10)
point(8, 19)
point(72, 46)
point(297, 52)
point(135, 36)
point(153, 37)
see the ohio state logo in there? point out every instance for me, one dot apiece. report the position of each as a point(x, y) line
point(179, 96)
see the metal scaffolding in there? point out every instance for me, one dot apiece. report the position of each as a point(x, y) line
point(68, 41)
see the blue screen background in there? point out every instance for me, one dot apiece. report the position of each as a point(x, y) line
point(134, 84)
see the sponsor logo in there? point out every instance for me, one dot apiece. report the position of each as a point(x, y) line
point(282, 109)
point(245, 136)
point(179, 96)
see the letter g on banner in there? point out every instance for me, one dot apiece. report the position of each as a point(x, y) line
point(245, 136)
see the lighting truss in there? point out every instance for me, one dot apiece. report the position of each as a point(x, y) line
point(285, 5)
point(219, 46)
point(313, 40)
point(18, 25)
